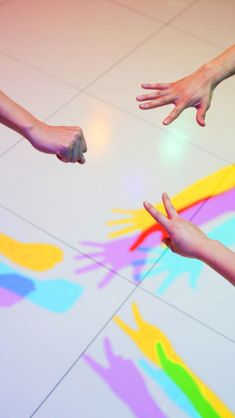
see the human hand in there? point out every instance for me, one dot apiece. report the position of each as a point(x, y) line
point(195, 90)
point(184, 238)
point(67, 142)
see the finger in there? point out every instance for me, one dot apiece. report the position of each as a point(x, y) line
point(137, 315)
point(170, 210)
point(126, 328)
point(65, 155)
point(81, 160)
point(156, 86)
point(108, 350)
point(158, 216)
point(201, 114)
point(173, 115)
point(75, 153)
point(151, 96)
point(94, 365)
point(162, 101)
point(84, 145)
point(167, 242)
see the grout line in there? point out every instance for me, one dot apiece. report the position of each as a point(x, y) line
point(169, 134)
point(188, 315)
point(108, 322)
point(39, 70)
point(10, 148)
point(139, 12)
point(83, 352)
point(65, 243)
point(164, 25)
point(54, 112)
point(193, 35)
point(117, 62)
point(190, 219)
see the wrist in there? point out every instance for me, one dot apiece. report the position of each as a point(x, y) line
point(213, 72)
point(29, 126)
point(208, 249)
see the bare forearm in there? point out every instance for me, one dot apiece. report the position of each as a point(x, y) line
point(221, 67)
point(14, 116)
point(220, 258)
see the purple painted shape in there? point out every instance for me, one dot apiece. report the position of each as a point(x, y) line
point(8, 298)
point(125, 380)
point(116, 255)
point(216, 206)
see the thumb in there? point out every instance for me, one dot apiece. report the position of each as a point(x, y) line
point(167, 241)
point(201, 114)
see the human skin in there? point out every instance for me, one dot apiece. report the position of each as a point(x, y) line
point(66, 142)
point(194, 90)
point(187, 240)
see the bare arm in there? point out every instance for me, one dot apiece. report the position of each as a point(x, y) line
point(67, 142)
point(188, 240)
point(195, 90)
point(220, 258)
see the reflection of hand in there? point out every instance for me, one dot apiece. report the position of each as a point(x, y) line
point(67, 142)
point(145, 336)
point(187, 383)
point(116, 256)
point(184, 238)
point(170, 388)
point(212, 185)
point(195, 90)
point(125, 380)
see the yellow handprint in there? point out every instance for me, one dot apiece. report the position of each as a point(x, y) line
point(147, 336)
point(214, 184)
point(34, 256)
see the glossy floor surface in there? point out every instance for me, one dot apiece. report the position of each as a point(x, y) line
point(97, 318)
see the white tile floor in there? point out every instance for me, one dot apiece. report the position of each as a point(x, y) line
point(62, 353)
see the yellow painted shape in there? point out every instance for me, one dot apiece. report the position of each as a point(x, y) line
point(212, 185)
point(146, 336)
point(34, 256)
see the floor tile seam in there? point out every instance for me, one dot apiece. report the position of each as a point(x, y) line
point(153, 18)
point(136, 11)
point(190, 219)
point(103, 73)
point(124, 57)
point(204, 324)
point(200, 38)
point(11, 147)
point(169, 135)
point(39, 70)
point(45, 119)
point(68, 245)
point(188, 315)
point(171, 306)
point(105, 325)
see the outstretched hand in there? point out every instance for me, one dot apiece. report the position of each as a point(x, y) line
point(195, 90)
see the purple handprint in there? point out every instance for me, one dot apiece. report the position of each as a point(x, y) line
point(116, 255)
point(124, 379)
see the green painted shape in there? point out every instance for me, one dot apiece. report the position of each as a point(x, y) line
point(186, 383)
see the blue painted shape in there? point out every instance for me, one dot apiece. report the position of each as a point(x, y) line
point(17, 284)
point(175, 266)
point(56, 295)
point(170, 388)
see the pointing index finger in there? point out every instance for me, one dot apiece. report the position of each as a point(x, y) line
point(158, 216)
